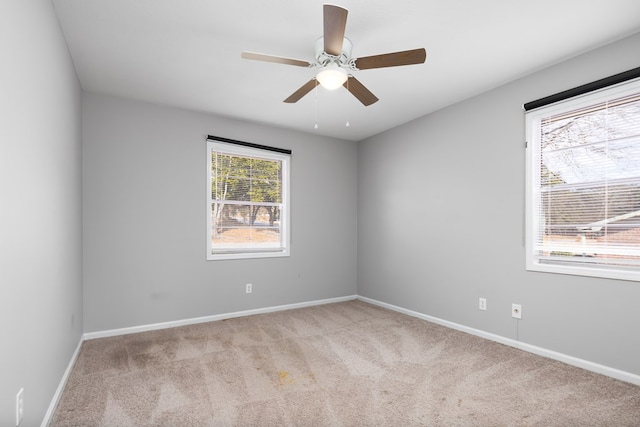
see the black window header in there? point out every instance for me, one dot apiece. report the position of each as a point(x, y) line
point(586, 88)
point(248, 144)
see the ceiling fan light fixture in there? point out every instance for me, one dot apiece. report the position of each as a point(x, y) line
point(333, 60)
point(332, 76)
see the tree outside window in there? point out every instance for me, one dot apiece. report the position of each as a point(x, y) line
point(584, 185)
point(248, 202)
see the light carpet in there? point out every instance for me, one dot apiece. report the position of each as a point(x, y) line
point(342, 364)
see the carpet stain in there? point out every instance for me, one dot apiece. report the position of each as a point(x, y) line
point(285, 378)
point(349, 364)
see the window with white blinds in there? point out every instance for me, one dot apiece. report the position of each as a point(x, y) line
point(248, 201)
point(583, 184)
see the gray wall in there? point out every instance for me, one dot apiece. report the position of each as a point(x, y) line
point(428, 195)
point(40, 208)
point(144, 200)
point(440, 224)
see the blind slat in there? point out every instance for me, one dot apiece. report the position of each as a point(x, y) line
point(586, 182)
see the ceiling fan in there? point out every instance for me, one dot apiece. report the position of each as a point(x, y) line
point(333, 59)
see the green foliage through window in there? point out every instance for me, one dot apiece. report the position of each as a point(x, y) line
point(248, 195)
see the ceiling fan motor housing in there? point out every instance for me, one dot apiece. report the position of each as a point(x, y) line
point(334, 68)
point(324, 59)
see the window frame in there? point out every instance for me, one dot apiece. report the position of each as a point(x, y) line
point(250, 150)
point(532, 226)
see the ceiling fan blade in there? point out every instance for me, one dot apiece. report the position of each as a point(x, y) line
point(407, 57)
point(335, 22)
point(277, 59)
point(358, 90)
point(305, 89)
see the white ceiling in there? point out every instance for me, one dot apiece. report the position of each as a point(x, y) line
point(186, 53)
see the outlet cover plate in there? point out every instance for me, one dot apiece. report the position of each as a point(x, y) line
point(482, 304)
point(516, 311)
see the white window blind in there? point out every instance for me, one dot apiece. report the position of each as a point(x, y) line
point(583, 182)
point(248, 202)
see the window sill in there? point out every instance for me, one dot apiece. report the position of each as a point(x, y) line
point(247, 255)
point(598, 272)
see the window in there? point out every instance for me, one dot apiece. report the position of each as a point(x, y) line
point(248, 200)
point(583, 184)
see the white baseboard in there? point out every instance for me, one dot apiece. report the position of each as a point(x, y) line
point(569, 360)
point(213, 318)
point(58, 394)
point(123, 331)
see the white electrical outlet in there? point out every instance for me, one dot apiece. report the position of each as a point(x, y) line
point(482, 304)
point(248, 288)
point(516, 311)
point(19, 406)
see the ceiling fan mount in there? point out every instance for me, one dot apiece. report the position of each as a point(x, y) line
point(343, 60)
point(333, 58)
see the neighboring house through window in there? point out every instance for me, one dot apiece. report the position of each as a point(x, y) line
point(248, 200)
point(583, 184)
